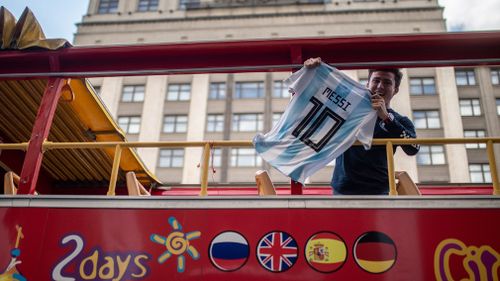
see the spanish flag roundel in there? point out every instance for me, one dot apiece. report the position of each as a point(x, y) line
point(326, 252)
point(375, 252)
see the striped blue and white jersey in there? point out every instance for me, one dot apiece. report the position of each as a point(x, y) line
point(325, 116)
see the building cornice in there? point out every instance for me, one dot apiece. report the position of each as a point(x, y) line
point(256, 16)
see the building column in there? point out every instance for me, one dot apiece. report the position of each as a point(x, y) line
point(170, 5)
point(131, 6)
point(152, 118)
point(122, 7)
point(352, 74)
point(228, 114)
point(268, 110)
point(401, 103)
point(488, 105)
point(111, 92)
point(452, 124)
point(93, 6)
point(196, 128)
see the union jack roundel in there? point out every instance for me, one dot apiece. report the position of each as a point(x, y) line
point(277, 251)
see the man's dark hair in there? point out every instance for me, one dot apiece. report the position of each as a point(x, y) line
point(398, 75)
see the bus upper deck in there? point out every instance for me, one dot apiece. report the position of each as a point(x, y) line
point(39, 80)
point(59, 141)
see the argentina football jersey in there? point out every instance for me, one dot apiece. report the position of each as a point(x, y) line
point(325, 116)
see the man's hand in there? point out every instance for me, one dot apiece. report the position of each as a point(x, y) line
point(378, 104)
point(312, 62)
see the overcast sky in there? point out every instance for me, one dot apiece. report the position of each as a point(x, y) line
point(471, 15)
point(461, 15)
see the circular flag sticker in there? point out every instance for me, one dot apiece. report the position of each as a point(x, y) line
point(277, 251)
point(229, 251)
point(326, 252)
point(375, 252)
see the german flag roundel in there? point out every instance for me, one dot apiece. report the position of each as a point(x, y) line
point(325, 252)
point(375, 252)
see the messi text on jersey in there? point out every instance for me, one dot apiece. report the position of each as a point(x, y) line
point(336, 98)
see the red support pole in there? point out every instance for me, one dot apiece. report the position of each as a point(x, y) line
point(296, 187)
point(41, 129)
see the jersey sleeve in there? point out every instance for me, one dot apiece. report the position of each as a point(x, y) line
point(299, 80)
point(403, 128)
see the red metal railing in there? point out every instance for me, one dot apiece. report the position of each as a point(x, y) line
point(425, 50)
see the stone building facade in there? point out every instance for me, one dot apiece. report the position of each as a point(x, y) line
point(442, 102)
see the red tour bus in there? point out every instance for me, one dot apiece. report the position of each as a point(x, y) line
point(79, 204)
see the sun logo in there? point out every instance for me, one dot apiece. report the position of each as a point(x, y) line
point(177, 243)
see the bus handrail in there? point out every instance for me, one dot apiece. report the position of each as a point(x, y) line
point(208, 145)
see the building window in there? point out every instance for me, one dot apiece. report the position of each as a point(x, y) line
point(147, 5)
point(216, 159)
point(171, 158)
point(107, 6)
point(133, 93)
point(175, 123)
point(498, 106)
point(189, 4)
point(363, 81)
point(474, 134)
point(422, 86)
point(178, 92)
point(245, 157)
point(426, 119)
point(252, 122)
point(130, 124)
point(479, 173)
point(280, 90)
point(217, 91)
point(249, 90)
point(495, 76)
point(431, 155)
point(470, 107)
point(465, 77)
point(215, 123)
point(276, 118)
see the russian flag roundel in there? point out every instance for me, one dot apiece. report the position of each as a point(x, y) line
point(326, 252)
point(375, 252)
point(229, 251)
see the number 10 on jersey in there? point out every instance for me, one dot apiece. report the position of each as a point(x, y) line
point(318, 130)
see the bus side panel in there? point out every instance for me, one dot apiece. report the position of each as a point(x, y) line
point(252, 244)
